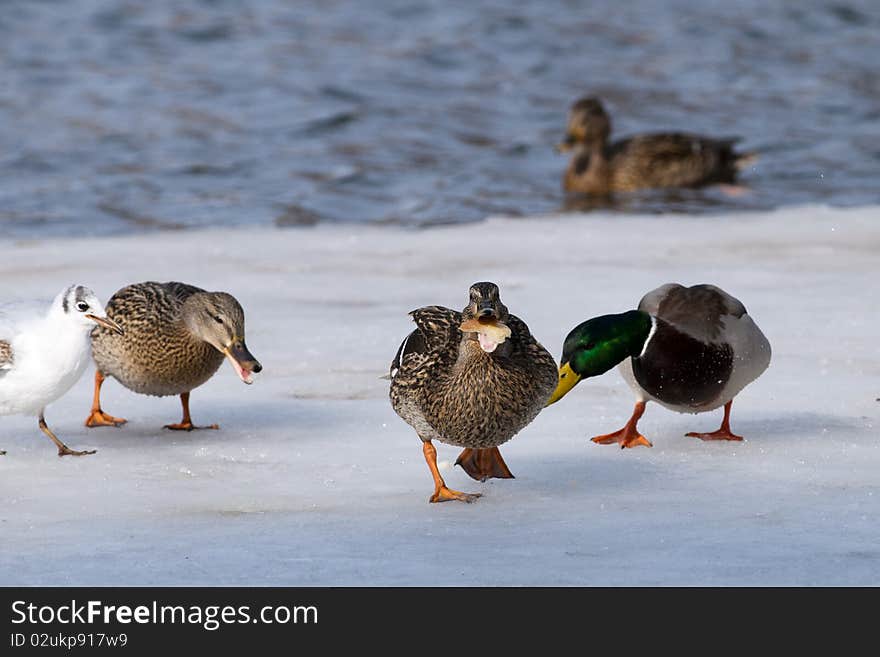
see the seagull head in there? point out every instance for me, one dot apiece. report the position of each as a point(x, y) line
point(79, 306)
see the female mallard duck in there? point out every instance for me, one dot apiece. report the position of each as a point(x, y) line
point(690, 349)
point(472, 379)
point(176, 337)
point(644, 161)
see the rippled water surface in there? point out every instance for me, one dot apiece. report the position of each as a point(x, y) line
point(126, 116)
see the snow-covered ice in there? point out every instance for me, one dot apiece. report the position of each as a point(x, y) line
point(313, 480)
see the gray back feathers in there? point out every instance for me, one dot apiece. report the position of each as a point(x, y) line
point(696, 310)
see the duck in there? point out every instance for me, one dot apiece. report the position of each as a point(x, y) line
point(175, 338)
point(689, 349)
point(44, 352)
point(471, 379)
point(657, 160)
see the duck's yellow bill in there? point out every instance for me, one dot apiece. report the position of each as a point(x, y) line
point(567, 381)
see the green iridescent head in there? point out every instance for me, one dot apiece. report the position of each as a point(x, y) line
point(595, 346)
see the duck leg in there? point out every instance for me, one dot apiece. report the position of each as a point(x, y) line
point(186, 423)
point(441, 492)
point(99, 418)
point(482, 464)
point(629, 436)
point(63, 450)
point(723, 433)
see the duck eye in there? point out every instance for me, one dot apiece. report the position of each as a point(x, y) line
point(218, 319)
point(82, 306)
point(590, 346)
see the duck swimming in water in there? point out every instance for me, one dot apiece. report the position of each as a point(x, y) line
point(674, 159)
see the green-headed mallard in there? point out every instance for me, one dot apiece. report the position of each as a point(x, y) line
point(674, 159)
point(176, 337)
point(472, 379)
point(690, 349)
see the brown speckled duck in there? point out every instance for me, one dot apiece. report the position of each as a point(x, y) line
point(176, 337)
point(674, 159)
point(473, 379)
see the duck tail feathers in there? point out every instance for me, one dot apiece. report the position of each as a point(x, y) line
point(745, 160)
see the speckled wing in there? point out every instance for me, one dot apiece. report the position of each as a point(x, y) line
point(180, 291)
point(5, 357)
point(163, 298)
point(537, 359)
point(157, 355)
point(433, 342)
point(137, 308)
point(524, 343)
point(697, 311)
point(673, 159)
point(12, 315)
point(424, 357)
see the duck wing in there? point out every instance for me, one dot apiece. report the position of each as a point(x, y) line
point(675, 159)
point(525, 345)
point(180, 291)
point(697, 311)
point(434, 341)
point(5, 356)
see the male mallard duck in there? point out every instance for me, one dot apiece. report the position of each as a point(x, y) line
point(176, 337)
point(43, 353)
point(690, 349)
point(644, 161)
point(472, 379)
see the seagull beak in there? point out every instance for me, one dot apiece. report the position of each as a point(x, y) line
point(107, 323)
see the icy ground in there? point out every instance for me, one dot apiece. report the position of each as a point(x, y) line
point(313, 480)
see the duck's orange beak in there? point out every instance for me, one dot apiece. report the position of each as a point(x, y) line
point(566, 144)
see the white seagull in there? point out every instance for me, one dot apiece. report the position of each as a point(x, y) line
point(42, 354)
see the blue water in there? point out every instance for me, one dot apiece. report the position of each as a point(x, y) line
point(122, 116)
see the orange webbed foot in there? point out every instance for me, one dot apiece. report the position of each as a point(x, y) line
point(99, 418)
point(623, 438)
point(189, 426)
point(721, 434)
point(629, 436)
point(444, 494)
